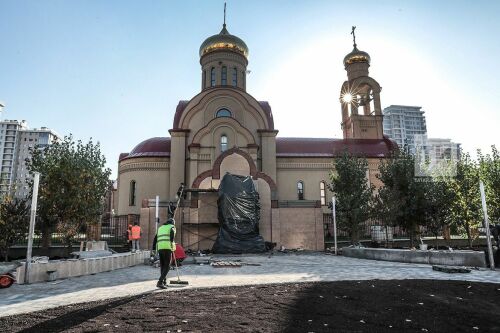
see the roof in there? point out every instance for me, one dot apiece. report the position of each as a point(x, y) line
point(286, 147)
point(153, 147)
point(326, 147)
point(179, 110)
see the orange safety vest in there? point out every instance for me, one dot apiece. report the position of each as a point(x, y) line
point(136, 232)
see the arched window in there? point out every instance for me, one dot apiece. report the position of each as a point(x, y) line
point(223, 143)
point(212, 77)
point(223, 113)
point(322, 193)
point(131, 200)
point(235, 77)
point(300, 190)
point(223, 76)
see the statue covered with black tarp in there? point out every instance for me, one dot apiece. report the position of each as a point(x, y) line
point(239, 214)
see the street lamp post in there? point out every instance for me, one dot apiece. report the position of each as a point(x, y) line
point(334, 225)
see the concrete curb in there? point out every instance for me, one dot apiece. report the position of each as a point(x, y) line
point(448, 258)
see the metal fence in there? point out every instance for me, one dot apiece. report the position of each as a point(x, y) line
point(113, 230)
point(366, 230)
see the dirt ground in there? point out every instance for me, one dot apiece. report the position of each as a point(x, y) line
point(347, 306)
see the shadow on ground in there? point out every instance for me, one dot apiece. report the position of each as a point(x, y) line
point(56, 322)
point(395, 306)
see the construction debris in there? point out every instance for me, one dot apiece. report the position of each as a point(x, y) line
point(231, 263)
point(224, 264)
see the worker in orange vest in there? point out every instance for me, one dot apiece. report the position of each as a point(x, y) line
point(135, 236)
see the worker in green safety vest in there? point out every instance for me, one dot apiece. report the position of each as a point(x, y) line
point(164, 244)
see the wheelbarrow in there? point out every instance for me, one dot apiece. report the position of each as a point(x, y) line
point(7, 277)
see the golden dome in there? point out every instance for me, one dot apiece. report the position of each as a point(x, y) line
point(356, 56)
point(224, 41)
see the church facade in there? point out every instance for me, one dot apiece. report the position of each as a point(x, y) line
point(224, 129)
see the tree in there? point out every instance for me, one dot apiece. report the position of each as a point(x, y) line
point(439, 199)
point(466, 206)
point(73, 183)
point(402, 196)
point(489, 167)
point(352, 192)
point(14, 223)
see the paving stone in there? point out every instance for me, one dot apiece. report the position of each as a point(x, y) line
point(281, 268)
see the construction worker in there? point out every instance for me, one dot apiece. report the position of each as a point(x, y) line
point(164, 244)
point(135, 233)
point(129, 236)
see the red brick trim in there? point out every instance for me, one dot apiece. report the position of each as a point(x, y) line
point(235, 150)
point(200, 178)
point(270, 181)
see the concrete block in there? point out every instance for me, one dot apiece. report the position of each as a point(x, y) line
point(79, 267)
point(449, 258)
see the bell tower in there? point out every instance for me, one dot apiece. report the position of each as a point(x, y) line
point(224, 60)
point(360, 98)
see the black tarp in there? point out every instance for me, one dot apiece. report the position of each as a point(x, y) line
point(239, 214)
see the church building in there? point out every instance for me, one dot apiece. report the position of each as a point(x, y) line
point(225, 129)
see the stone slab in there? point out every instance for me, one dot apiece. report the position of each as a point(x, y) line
point(450, 269)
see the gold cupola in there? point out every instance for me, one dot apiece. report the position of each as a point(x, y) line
point(224, 41)
point(356, 56)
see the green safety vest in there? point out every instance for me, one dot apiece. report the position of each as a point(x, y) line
point(163, 237)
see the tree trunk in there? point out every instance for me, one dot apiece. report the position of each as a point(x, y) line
point(6, 255)
point(354, 236)
point(437, 243)
point(69, 247)
point(446, 235)
point(46, 235)
point(412, 238)
point(469, 236)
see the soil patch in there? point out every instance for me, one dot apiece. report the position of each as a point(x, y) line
point(345, 306)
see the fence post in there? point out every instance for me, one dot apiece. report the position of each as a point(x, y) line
point(34, 200)
point(487, 225)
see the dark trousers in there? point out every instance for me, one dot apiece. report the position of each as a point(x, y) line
point(165, 256)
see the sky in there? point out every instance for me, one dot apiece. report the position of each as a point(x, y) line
point(114, 70)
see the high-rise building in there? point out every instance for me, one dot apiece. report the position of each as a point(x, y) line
point(405, 125)
point(9, 132)
point(16, 139)
point(29, 139)
point(443, 149)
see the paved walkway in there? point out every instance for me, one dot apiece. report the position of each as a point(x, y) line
point(278, 268)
